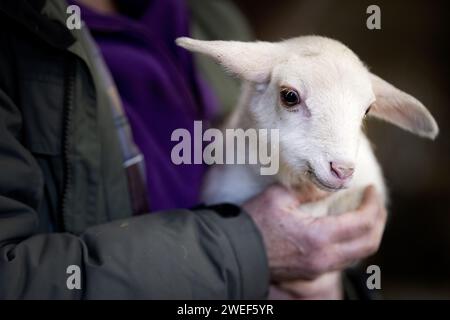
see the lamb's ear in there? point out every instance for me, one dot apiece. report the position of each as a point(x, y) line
point(251, 61)
point(401, 109)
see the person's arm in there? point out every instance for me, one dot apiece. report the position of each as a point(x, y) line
point(176, 254)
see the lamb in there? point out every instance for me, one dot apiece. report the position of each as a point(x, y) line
point(318, 93)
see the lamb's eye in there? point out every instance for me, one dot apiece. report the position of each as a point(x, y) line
point(289, 97)
point(367, 111)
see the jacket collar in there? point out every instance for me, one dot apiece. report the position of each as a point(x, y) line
point(43, 18)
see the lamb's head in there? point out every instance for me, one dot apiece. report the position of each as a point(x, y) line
point(317, 92)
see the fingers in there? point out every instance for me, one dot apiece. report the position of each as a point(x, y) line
point(369, 192)
point(327, 286)
point(342, 255)
point(351, 236)
point(360, 248)
point(372, 205)
point(276, 293)
point(355, 224)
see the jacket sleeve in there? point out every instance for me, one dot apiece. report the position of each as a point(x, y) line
point(179, 254)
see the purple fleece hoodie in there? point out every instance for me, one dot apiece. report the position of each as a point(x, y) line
point(160, 90)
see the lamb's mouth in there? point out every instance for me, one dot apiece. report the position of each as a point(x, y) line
point(321, 184)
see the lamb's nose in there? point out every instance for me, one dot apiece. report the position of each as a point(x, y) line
point(342, 170)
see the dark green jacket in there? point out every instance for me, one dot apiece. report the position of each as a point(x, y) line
point(61, 165)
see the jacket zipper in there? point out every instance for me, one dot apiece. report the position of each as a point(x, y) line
point(68, 106)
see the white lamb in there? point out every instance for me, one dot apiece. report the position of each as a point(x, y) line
point(317, 92)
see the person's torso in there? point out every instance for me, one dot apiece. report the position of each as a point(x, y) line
point(66, 122)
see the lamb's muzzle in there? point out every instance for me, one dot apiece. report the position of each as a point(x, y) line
point(342, 170)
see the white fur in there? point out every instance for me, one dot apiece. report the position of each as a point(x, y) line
point(336, 89)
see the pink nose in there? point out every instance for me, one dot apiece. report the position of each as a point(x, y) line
point(342, 170)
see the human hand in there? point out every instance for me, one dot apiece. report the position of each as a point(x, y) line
point(328, 286)
point(304, 247)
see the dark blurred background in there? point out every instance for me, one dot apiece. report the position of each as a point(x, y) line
point(411, 51)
